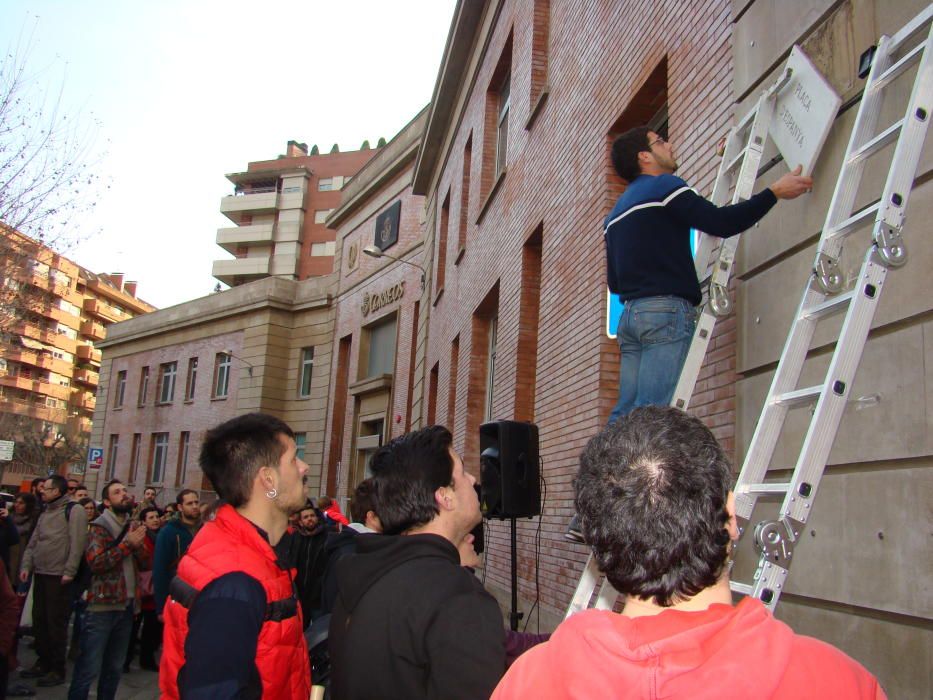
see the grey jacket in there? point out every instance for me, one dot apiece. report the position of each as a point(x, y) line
point(57, 543)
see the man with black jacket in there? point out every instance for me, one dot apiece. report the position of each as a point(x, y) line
point(303, 550)
point(343, 543)
point(410, 621)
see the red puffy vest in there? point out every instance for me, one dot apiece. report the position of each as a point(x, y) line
point(232, 544)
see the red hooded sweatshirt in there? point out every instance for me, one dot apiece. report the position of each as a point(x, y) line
point(721, 652)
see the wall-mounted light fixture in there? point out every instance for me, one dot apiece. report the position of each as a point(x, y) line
point(249, 366)
point(375, 251)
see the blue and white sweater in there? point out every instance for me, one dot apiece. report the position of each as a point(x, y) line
point(648, 235)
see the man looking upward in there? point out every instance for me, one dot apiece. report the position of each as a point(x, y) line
point(232, 621)
point(172, 543)
point(650, 265)
point(409, 621)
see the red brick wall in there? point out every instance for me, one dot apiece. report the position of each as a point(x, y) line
point(599, 55)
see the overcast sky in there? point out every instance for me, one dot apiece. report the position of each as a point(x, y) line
point(186, 91)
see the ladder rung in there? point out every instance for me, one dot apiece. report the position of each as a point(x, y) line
point(742, 588)
point(853, 223)
point(737, 160)
point(746, 120)
point(870, 148)
point(829, 307)
point(762, 488)
point(898, 68)
point(800, 397)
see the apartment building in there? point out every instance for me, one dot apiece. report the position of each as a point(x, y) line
point(53, 313)
point(278, 208)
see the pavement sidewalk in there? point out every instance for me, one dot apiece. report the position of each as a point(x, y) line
point(135, 685)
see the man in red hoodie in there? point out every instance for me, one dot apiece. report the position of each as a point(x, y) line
point(653, 493)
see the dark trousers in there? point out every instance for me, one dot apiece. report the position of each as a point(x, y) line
point(149, 638)
point(51, 607)
point(104, 638)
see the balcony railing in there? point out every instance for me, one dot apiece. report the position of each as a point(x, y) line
point(53, 338)
point(88, 353)
point(96, 331)
point(83, 401)
point(32, 409)
point(105, 311)
point(38, 359)
point(36, 385)
point(86, 376)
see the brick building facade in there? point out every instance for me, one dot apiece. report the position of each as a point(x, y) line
point(517, 179)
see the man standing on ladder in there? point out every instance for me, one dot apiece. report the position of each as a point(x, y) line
point(650, 264)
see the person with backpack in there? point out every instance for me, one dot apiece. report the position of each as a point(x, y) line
point(53, 556)
point(116, 554)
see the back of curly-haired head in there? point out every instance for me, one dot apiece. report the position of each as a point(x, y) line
point(406, 473)
point(651, 494)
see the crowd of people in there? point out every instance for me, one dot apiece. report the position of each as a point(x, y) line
point(68, 559)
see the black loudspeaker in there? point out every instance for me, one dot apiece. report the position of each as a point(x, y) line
point(509, 473)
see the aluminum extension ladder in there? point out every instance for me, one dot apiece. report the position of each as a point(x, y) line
point(823, 297)
point(715, 256)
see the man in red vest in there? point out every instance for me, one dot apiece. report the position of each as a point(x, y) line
point(233, 625)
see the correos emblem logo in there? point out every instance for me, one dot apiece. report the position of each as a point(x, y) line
point(374, 302)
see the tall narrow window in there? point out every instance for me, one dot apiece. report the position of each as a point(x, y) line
point(442, 230)
point(502, 124)
point(339, 411)
point(540, 36)
point(491, 364)
point(120, 391)
point(382, 341)
point(222, 364)
point(181, 471)
point(464, 197)
point(432, 394)
point(496, 120)
point(192, 379)
point(480, 377)
point(143, 386)
point(159, 458)
point(167, 373)
point(112, 456)
point(301, 441)
point(452, 382)
point(412, 356)
point(134, 457)
point(528, 313)
point(307, 365)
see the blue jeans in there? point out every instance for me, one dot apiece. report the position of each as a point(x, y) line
point(654, 337)
point(104, 638)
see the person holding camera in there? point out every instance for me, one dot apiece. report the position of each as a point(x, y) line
point(116, 554)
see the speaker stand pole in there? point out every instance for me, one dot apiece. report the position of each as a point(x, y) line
point(514, 615)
